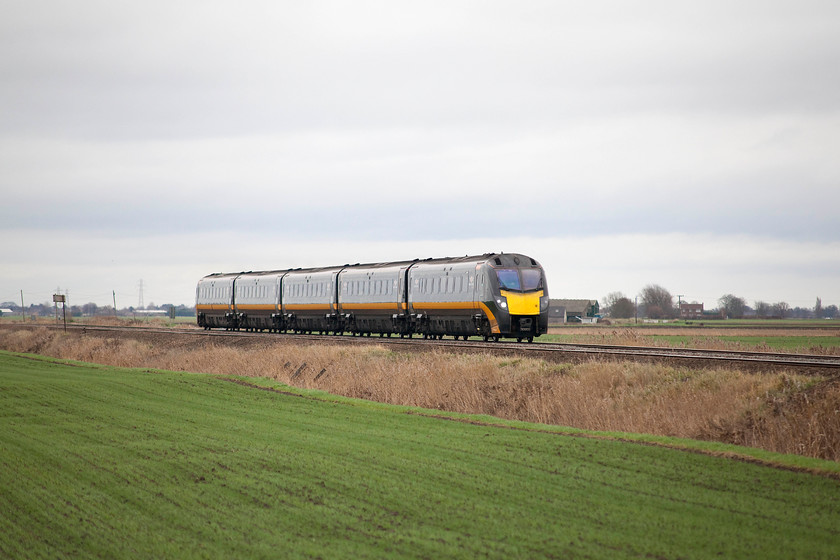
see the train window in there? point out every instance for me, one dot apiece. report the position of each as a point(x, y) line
point(531, 279)
point(508, 279)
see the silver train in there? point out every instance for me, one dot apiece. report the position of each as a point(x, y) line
point(491, 295)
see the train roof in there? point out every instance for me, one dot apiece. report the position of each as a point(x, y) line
point(501, 257)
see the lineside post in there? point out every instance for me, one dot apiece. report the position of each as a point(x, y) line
point(59, 298)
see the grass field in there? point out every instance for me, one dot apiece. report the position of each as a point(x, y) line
point(106, 462)
point(801, 341)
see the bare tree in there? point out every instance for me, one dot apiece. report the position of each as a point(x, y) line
point(658, 302)
point(762, 309)
point(618, 305)
point(818, 310)
point(732, 305)
point(89, 309)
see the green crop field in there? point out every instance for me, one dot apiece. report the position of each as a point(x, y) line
point(105, 462)
point(790, 343)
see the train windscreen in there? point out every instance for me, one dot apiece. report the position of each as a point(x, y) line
point(521, 280)
point(508, 279)
point(531, 279)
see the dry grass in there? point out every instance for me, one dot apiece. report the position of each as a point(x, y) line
point(782, 412)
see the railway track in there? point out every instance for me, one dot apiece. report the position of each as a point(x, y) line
point(556, 352)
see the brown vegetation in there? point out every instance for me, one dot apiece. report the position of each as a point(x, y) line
point(780, 411)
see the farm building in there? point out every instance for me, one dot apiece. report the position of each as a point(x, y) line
point(5, 311)
point(562, 311)
point(691, 311)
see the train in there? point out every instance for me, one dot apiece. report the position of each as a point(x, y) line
point(494, 296)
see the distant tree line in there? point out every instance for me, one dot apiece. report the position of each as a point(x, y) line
point(94, 310)
point(655, 302)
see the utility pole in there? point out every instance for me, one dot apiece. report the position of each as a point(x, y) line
point(114, 293)
point(22, 309)
point(679, 303)
point(140, 299)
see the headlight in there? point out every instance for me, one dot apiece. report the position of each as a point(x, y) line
point(501, 302)
point(544, 303)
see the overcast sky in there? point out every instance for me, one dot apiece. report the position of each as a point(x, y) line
point(694, 145)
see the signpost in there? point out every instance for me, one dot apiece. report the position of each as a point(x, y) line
point(59, 298)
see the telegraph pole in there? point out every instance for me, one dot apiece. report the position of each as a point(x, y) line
point(22, 309)
point(114, 293)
